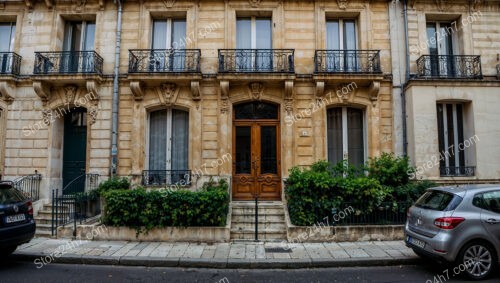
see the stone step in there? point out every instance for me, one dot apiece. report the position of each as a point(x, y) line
point(248, 212)
point(260, 218)
point(262, 226)
point(43, 233)
point(43, 227)
point(267, 236)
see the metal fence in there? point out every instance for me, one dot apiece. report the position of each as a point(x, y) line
point(10, 63)
point(387, 213)
point(29, 185)
point(165, 177)
point(164, 61)
point(68, 62)
point(347, 61)
point(256, 61)
point(449, 66)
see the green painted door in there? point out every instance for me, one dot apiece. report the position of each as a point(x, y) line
point(74, 151)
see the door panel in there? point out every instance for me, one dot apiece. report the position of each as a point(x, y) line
point(74, 150)
point(256, 169)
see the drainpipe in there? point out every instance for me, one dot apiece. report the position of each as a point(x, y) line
point(116, 97)
point(407, 78)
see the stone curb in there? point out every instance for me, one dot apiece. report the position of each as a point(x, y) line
point(222, 263)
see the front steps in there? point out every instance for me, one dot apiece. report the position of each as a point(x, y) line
point(271, 221)
point(44, 221)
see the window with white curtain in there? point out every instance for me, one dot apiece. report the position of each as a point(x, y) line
point(345, 135)
point(168, 42)
point(341, 38)
point(254, 33)
point(168, 144)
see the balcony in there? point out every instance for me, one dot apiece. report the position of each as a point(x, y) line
point(166, 177)
point(498, 72)
point(67, 62)
point(280, 61)
point(164, 61)
point(347, 62)
point(10, 63)
point(449, 67)
point(457, 171)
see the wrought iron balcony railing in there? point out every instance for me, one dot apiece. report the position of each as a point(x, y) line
point(256, 61)
point(10, 63)
point(449, 66)
point(347, 61)
point(453, 171)
point(164, 61)
point(68, 62)
point(166, 177)
point(498, 71)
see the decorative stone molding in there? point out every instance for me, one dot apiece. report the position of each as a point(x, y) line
point(101, 5)
point(92, 89)
point(441, 4)
point(288, 93)
point(320, 89)
point(47, 116)
point(49, 3)
point(374, 91)
point(80, 5)
point(224, 96)
point(168, 93)
point(7, 91)
point(70, 94)
point(342, 4)
point(137, 89)
point(195, 90)
point(344, 92)
point(476, 4)
point(169, 3)
point(256, 90)
point(29, 4)
point(92, 114)
point(254, 3)
point(42, 89)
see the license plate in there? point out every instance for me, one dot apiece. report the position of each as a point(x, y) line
point(416, 242)
point(15, 218)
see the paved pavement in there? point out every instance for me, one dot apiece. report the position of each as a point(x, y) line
point(42, 251)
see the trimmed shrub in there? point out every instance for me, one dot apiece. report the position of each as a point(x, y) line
point(141, 209)
point(114, 183)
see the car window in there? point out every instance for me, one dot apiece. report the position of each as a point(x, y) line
point(438, 200)
point(491, 201)
point(10, 195)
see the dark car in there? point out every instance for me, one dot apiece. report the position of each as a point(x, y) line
point(17, 225)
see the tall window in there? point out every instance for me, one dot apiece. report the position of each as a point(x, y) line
point(440, 41)
point(167, 44)
point(451, 138)
point(254, 33)
point(345, 135)
point(7, 32)
point(78, 41)
point(341, 36)
point(168, 145)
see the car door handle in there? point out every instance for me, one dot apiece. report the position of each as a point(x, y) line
point(492, 221)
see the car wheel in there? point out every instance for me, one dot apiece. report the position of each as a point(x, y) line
point(8, 250)
point(479, 260)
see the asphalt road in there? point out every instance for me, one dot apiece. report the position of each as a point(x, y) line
point(17, 272)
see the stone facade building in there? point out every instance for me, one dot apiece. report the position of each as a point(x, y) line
point(244, 89)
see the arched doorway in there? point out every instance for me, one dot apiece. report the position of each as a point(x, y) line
point(74, 150)
point(256, 151)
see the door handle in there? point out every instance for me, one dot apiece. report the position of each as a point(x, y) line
point(492, 221)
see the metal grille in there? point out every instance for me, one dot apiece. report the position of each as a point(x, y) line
point(347, 61)
point(164, 61)
point(256, 61)
point(449, 66)
point(68, 62)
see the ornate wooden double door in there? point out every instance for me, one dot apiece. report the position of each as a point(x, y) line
point(256, 152)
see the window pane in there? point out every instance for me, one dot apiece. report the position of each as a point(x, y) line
point(431, 33)
point(158, 140)
point(243, 33)
point(349, 35)
point(334, 135)
point(332, 35)
point(450, 132)
point(179, 34)
point(492, 201)
point(256, 110)
point(159, 35)
point(355, 136)
point(243, 150)
point(7, 31)
point(89, 36)
point(180, 139)
point(460, 129)
point(441, 134)
point(263, 33)
point(268, 154)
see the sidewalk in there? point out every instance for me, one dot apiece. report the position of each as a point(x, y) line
point(43, 251)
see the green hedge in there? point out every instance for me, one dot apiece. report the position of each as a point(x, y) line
point(313, 192)
point(141, 209)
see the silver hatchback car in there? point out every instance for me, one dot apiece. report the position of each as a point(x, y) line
point(459, 224)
